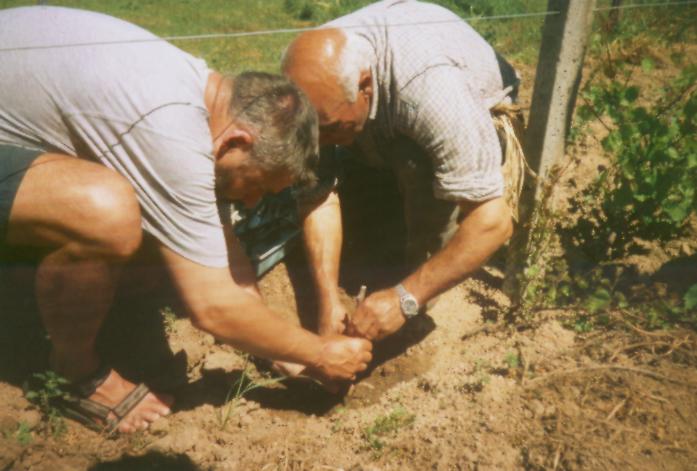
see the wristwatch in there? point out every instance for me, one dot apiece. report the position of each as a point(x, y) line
point(407, 301)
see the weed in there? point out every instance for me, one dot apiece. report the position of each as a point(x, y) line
point(243, 385)
point(22, 434)
point(386, 425)
point(512, 360)
point(169, 319)
point(338, 423)
point(44, 390)
point(481, 371)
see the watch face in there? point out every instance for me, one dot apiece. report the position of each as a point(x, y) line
point(410, 307)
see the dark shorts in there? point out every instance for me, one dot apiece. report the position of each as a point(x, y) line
point(14, 162)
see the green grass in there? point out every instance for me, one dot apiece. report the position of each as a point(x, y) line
point(517, 38)
point(385, 426)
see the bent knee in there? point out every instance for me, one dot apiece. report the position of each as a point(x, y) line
point(112, 218)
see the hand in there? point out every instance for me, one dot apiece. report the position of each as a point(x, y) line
point(296, 370)
point(342, 357)
point(378, 316)
point(333, 318)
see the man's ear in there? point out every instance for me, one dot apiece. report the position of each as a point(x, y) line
point(365, 83)
point(235, 137)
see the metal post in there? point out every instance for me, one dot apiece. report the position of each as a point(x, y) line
point(564, 39)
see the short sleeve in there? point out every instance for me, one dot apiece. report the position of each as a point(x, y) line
point(439, 111)
point(168, 159)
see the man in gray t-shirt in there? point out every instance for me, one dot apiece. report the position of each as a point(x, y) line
point(106, 132)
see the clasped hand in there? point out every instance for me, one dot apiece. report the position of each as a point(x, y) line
point(378, 316)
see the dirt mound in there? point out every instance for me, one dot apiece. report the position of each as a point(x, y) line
point(451, 391)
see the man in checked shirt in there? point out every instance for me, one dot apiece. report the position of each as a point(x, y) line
point(408, 86)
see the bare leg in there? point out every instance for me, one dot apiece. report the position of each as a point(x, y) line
point(73, 327)
point(89, 218)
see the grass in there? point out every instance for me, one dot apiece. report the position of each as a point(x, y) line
point(169, 319)
point(387, 425)
point(517, 38)
point(243, 385)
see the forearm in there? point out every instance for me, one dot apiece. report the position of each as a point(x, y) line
point(241, 268)
point(252, 327)
point(228, 311)
point(323, 238)
point(484, 229)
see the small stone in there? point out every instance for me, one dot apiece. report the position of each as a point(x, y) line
point(160, 426)
point(220, 360)
point(245, 420)
point(550, 411)
point(537, 408)
point(208, 340)
point(185, 440)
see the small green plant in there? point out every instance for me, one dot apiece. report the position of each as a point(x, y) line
point(243, 385)
point(23, 434)
point(45, 389)
point(386, 425)
point(169, 319)
point(338, 423)
point(512, 360)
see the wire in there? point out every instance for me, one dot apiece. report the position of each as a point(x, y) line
point(646, 5)
point(242, 34)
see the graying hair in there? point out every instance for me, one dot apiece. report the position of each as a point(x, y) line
point(283, 123)
point(353, 59)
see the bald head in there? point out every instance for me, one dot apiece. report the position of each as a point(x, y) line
point(333, 68)
point(312, 60)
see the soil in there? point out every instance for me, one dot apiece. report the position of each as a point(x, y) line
point(458, 388)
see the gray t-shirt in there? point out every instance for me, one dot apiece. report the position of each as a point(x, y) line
point(135, 106)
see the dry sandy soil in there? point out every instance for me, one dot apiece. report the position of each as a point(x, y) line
point(460, 388)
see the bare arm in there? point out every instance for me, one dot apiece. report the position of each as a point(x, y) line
point(485, 227)
point(218, 305)
point(241, 268)
point(323, 238)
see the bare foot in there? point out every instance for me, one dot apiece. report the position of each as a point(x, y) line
point(152, 407)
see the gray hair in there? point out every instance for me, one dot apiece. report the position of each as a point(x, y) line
point(282, 121)
point(353, 59)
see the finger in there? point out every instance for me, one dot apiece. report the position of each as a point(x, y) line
point(367, 357)
point(362, 367)
point(366, 345)
point(362, 328)
point(372, 332)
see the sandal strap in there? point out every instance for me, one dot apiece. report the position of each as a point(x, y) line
point(96, 415)
point(131, 401)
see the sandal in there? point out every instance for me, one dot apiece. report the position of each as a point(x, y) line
point(94, 415)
